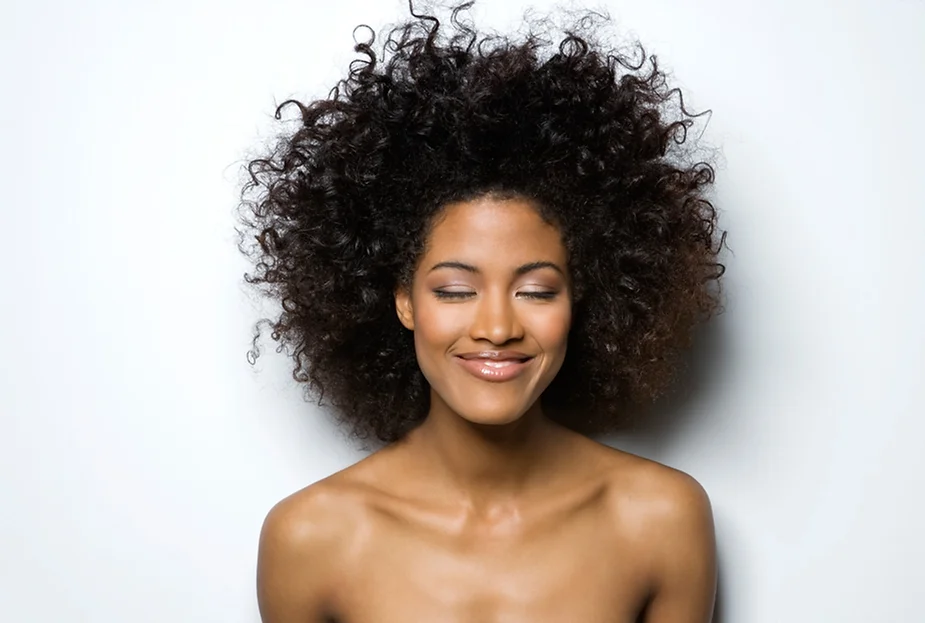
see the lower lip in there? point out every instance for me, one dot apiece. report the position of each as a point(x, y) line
point(492, 370)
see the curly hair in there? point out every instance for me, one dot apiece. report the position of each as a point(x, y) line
point(335, 216)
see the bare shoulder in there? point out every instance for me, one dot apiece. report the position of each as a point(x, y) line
point(666, 518)
point(308, 542)
point(650, 492)
point(336, 503)
point(661, 509)
point(310, 518)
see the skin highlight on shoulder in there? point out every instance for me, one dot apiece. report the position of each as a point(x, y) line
point(669, 516)
point(308, 543)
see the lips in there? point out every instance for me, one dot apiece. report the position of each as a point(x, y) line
point(495, 366)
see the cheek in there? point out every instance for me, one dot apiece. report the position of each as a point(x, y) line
point(436, 329)
point(437, 326)
point(551, 329)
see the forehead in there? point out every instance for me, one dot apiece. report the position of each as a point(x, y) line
point(491, 230)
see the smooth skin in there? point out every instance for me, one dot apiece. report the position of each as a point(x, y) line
point(488, 512)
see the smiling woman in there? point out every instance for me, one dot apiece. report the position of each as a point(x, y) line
point(489, 301)
point(486, 249)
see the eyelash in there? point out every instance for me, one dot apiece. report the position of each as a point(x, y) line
point(541, 296)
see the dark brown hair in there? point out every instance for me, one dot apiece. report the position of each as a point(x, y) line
point(334, 218)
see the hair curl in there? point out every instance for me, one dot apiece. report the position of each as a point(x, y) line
point(335, 216)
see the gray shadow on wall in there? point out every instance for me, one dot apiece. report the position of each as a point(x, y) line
point(700, 372)
point(718, 612)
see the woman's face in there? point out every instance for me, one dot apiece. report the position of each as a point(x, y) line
point(490, 307)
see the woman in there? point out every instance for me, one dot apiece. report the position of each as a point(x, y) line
point(485, 250)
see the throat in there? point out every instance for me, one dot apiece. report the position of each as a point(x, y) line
point(488, 463)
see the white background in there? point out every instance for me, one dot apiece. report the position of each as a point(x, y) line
point(140, 451)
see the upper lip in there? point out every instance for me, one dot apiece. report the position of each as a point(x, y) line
point(496, 355)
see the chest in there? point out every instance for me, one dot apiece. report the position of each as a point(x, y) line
point(571, 571)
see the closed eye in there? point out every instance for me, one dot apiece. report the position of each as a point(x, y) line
point(457, 295)
point(543, 296)
point(452, 294)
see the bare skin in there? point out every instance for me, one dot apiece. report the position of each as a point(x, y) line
point(488, 512)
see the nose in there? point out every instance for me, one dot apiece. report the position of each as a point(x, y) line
point(496, 319)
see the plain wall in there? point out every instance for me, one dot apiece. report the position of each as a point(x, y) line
point(140, 451)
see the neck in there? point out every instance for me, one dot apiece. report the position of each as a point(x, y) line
point(487, 464)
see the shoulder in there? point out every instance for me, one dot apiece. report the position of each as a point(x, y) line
point(668, 517)
point(320, 516)
point(643, 489)
point(664, 510)
point(664, 496)
point(677, 518)
point(310, 518)
point(308, 543)
point(332, 514)
point(649, 492)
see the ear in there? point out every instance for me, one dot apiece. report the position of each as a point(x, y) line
point(404, 307)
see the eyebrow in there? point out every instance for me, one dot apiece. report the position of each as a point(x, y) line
point(520, 270)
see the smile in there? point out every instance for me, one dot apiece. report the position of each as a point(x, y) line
point(494, 367)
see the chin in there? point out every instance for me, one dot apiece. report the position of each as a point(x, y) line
point(491, 415)
point(491, 420)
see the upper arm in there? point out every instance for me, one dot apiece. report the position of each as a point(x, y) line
point(293, 571)
point(684, 547)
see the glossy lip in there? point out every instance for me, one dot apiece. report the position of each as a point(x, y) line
point(499, 355)
point(494, 366)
